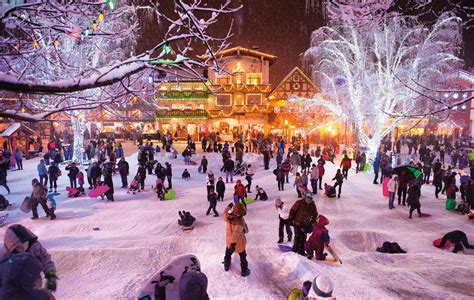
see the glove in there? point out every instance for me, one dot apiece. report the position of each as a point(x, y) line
point(230, 205)
point(51, 281)
point(232, 248)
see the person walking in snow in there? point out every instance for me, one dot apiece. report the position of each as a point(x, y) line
point(295, 160)
point(339, 178)
point(54, 173)
point(235, 236)
point(18, 155)
point(319, 237)
point(240, 191)
point(142, 174)
point(280, 177)
point(314, 177)
point(220, 188)
point(284, 220)
point(38, 197)
point(108, 171)
point(123, 169)
point(73, 170)
point(229, 167)
point(248, 177)
point(4, 165)
point(392, 189)
point(346, 165)
point(203, 165)
point(42, 173)
point(286, 167)
point(19, 239)
point(302, 214)
point(168, 173)
point(212, 199)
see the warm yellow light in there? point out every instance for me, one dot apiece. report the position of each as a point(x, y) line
point(56, 42)
point(101, 17)
point(35, 44)
point(286, 122)
point(94, 26)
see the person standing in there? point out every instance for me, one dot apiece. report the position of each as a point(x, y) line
point(321, 171)
point(413, 199)
point(168, 173)
point(314, 177)
point(212, 199)
point(240, 191)
point(280, 178)
point(96, 173)
point(339, 178)
point(38, 197)
point(298, 183)
point(376, 166)
point(303, 214)
point(266, 159)
point(108, 171)
point(402, 188)
point(438, 181)
point(229, 167)
point(284, 220)
point(248, 177)
point(235, 236)
point(220, 188)
point(295, 160)
point(286, 167)
point(42, 172)
point(392, 188)
point(204, 163)
point(73, 170)
point(346, 165)
point(18, 155)
point(4, 165)
point(53, 172)
point(123, 169)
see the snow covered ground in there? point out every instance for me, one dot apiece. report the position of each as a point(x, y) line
point(139, 234)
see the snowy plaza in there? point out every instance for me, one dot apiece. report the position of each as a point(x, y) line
point(236, 149)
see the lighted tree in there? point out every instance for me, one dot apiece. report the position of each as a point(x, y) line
point(363, 73)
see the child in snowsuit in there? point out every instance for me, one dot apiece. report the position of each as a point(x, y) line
point(318, 239)
point(283, 215)
point(261, 194)
point(458, 238)
point(212, 198)
point(186, 175)
point(240, 191)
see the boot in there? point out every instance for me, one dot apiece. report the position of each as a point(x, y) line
point(227, 260)
point(280, 241)
point(244, 265)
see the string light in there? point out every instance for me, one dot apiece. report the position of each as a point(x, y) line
point(111, 4)
point(35, 44)
point(56, 42)
point(94, 26)
point(87, 32)
point(455, 95)
point(101, 17)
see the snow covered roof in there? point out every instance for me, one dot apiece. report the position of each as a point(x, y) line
point(13, 128)
point(244, 51)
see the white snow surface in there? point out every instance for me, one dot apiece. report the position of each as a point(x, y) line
point(139, 234)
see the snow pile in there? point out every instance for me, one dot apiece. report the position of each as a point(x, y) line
point(138, 234)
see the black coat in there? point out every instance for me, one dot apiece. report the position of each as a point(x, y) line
point(413, 198)
point(123, 167)
point(229, 165)
point(220, 186)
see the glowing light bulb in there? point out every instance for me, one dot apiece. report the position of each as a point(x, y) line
point(463, 107)
point(464, 95)
point(87, 31)
point(150, 79)
point(101, 16)
point(446, 95)
point(455, 95)
point(56, 42)
point(94, 26)
point(35, 44)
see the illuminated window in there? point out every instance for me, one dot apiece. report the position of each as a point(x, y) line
point(254, 78)
point(224, 100)
point(223, 80)
point(254, 99)
point(238, 79)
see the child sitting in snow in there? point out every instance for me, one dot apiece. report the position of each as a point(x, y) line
point(185, 218)
point(261, 194)
point(318, 239)
point(186, 174)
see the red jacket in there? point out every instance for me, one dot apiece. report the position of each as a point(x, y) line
point(321, 170)
point(240, 190)
point(316, 240)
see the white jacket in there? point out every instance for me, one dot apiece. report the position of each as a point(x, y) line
point(392, 185)
point(284, 212)
point(314, 173)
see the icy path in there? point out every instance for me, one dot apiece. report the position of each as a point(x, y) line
point(138, 234)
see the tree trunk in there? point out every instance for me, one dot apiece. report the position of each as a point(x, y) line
point(78, 127)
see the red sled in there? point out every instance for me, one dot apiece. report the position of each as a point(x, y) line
point(437, 242)
point(99, 191)
point(72, 192)
point(193, 163)
point(425, 215)
point(385, 187)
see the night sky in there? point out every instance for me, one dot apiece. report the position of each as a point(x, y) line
point(282, 28)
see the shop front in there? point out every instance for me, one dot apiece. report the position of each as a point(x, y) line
point(182, 123)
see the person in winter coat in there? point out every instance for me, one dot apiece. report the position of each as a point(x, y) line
point(413, 199)
point(339, 178)
point(168, 173)
point(19, 239)
point(314, 177)
point(212, 199)
point(279, 159)
point(317, 240)
point(80, 181)
point(346, 165)
point(376, 166)
point(38, 197)
point(235, 236)
point(220, 188)
point(280, 177)
point(21, 272)
point(229, 167)
point(4, 165)
point(240, 191)
point(458, 238)
point(18, 155)
point(302, 214)
point(204, 164)
point(186, 175)
point(295, 161)
point(284, 220)
point(321, 171)
point(248, 177)
point(438, 181)
point(96, 173)
point(110, 183)
point(73, 170)
point(286, 167)
point(261, 194)
point(392, 188)
point(142, 174)
point(123, 169)
point(470, 194)
point(402, 188)
point(298, 183)
point(426, 172)
point(42, 173)
point(266, 159)
point(54, 173)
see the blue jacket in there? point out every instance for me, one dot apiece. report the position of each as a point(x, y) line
point(42, 169)
point(18, 155)
point(119, 152)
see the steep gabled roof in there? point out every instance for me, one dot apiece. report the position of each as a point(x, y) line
point(238, 51)
point(292, 72)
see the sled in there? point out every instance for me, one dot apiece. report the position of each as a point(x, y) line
point(170, 195)
point(249, 200)
point(450, 204)
point(193, 163)
point(425, 215)
point(72, 192)
point(285, 248)
point(187, 228)
point(385, 187)
point(169, 277)
point(26, 205)
point(333, 253)
point(98, 191)
point(448, 244)
point(366, 167)
point(3, 220)
point(295, 294)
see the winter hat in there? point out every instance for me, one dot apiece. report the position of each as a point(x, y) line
point(322, 287)
point(308, 197)
point(278, 202)
point(18, 237)
point(193, 286)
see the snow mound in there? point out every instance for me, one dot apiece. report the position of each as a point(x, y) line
point(363, 241)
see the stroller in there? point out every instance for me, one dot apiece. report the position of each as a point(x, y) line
point(240, 169)
point(329, 190)
point(134, 185)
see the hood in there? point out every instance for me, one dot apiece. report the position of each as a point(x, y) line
point(16, 235)
point(239, 210)
point(322, 221)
